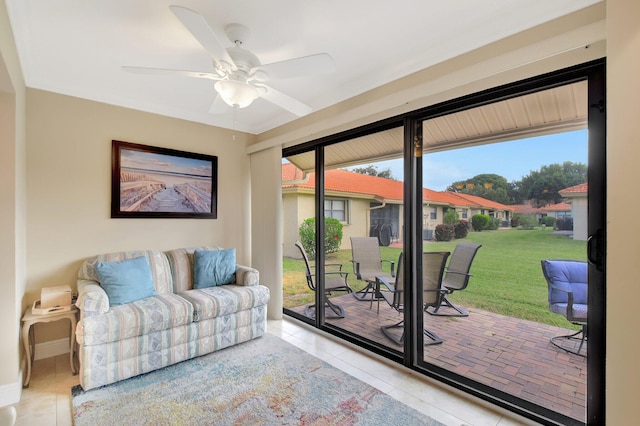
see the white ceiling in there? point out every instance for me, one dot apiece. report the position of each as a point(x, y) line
point(77, 48)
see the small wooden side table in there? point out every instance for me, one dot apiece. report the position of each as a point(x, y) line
point(28, 339)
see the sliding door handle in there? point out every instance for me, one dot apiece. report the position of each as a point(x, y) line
point(595, 250)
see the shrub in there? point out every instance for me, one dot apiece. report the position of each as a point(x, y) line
point(548, 221)
point(516, 220)
point(444, 232)
point(479, 222)
point(451, 217)
point(564, 224)
point(528, 222)
point(493, 223)
point(332, 235)
point(461, 229)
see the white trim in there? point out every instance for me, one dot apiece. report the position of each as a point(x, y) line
point(51, 348)
point(12, 392)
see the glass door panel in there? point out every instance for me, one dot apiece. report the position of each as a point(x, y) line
point(502, 178)
point(363, 196)
point(298, 202)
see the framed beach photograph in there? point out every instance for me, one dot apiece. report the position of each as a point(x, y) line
point(151, 182)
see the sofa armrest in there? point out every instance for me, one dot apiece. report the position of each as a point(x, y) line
point(247, 276)
point(92, 297)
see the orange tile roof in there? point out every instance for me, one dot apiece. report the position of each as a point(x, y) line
point(559, 207)
point(339, 180)
point(474, 200)
point(577, 189)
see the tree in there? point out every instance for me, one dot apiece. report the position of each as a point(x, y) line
point(542, 186)
point(372, 170)
point(490, 186)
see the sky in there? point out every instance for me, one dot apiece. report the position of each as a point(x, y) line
point(165, 163)
point(512, 160)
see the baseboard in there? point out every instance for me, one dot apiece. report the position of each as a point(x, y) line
point(51, 348)
point(11, 393)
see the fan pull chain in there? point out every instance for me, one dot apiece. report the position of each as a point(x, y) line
point(235, 122)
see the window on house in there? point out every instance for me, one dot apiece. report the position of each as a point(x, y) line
point(433, 214)
point(464, 214)
point(336, 209)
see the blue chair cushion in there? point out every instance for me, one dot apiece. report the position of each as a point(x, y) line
point(564, 276)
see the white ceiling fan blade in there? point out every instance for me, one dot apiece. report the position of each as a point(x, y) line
point(218, 106)
point(200, 29)
point(300, 67)
point(164, 71)
point(283, 101)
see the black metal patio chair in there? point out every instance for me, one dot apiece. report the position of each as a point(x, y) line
point(334, 281)
point(432, 271)
point(456, 278)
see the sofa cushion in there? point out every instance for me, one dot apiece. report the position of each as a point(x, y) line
point(181, 263)
point(214, 267)
point(126, 281)
point(158, 263)
point(217, 301)
point(153, 314)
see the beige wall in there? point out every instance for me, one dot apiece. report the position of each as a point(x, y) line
point(297, 207)
point(289, 220)
point(623, 251)
point(579, 211)
point(266, 223)
point(69, 189)
point(12, 212)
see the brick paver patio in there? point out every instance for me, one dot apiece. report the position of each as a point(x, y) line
point(509, 354)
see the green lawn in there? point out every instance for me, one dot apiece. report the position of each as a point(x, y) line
point(507, 277)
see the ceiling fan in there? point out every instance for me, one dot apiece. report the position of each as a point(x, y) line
point(240, 76)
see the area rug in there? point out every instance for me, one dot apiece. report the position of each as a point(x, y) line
point(265, 381)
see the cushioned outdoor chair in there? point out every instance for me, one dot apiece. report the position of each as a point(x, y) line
point(567, 284)
point(334, 281)
point(456, 278)
point(433, 268)
point(367, 265)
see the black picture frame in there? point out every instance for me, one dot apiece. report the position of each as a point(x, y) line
point(153, 182)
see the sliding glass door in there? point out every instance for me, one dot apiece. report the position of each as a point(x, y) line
point(433, 228)
point(508, 189)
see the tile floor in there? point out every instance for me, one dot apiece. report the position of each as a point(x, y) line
point(47, 400)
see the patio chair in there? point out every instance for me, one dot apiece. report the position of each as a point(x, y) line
point(567, 284)
point(367, 265)
point(456, 278)
point(334, 281)
point(433, 268)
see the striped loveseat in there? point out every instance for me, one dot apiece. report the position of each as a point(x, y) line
point(178, 323)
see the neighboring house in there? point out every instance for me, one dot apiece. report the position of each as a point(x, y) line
point(578, 196)
point(529, 210)
point(558, 210)
point(364, 203)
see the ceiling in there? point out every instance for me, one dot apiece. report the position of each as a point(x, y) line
point(78, 48)
point(559, 109)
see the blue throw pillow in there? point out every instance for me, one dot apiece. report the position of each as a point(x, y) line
point(126, 281)
point(214, 267)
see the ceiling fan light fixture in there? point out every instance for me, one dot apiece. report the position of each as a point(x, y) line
point(236, 93)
